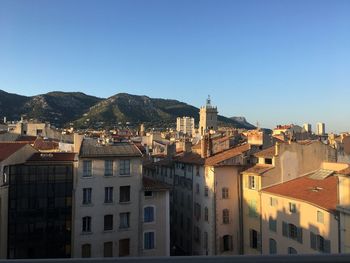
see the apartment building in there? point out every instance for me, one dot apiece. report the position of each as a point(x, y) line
point(299, 216)
point(185, 125)
point(277, 164)
point(344, 209)
point(109, 198)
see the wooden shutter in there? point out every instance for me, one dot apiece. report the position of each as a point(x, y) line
point(313, 240)
point(300, 235)
point(258, 240)
point(284, 229)
point(327, 246)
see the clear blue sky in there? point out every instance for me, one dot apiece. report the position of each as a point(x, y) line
point(270, 61)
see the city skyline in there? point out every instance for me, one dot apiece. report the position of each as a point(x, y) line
point(272, 62)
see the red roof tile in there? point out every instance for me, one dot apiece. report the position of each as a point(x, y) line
point(268, 152)
point(227, 154)
point(44, 145)
point(9, 148)
point(150, 184)
point(322, 193)
point(259, 169)
point(190, 158)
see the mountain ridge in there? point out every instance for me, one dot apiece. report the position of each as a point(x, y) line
point(86, 111)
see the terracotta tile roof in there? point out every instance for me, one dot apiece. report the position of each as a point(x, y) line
point(322, 193)
point(52, 157)
point(23, 138)
point(9, 148)
point(150, 184)
point(227, 154)
point(91, 148)
point(268, 152)
point(259, 169)
point(44, 145)
point(345, 171)
point(197, 146)
point(222, 139)
point(165, 162)
point(189, 157)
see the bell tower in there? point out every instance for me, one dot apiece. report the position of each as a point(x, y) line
point(208, 118)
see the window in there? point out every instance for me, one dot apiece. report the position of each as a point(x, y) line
point(273, 202)
point(206, 242)
point(197, 234)
point(320, 218)
point(124, 220)
point(108, 249)
point(87, 168)
point(319, 243)
point(251, 182)
point(206, 191)
point(124, 194)
point(5, 175)
point(254, 239)
point(224, 193)
point(206, 214)
point(148, 214)
point(272, 246)
point(86, 251)
point(148, 240)
point(87, 196)
point(252, 209)
point(197, 211)
point(292, 231)
point(227, 243)
point(197, 188)
point(272, 224)
point(86, 224)
point(148, 194)
point(124, 247)
point(292, 208)
point(292, 250)
point(225, 216)
point(108, 222)
point(108, 194)
point(124, 167)
point(108, 168)
point(268, 161)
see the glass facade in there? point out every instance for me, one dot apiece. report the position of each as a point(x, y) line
point(40, 211)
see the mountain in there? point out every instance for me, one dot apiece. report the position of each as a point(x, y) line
point(243, 121)
point(57, 108)
point(135, 109)
point(62, 108)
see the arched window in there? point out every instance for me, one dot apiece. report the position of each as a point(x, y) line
point(272, 246)
point(86, 251)
point(292, 250)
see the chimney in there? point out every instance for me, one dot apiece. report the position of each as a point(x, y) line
point(187, 146)
point(5, 120)
point(204, 147)
point(78, 139)
point(210, 146)
point(277, 147)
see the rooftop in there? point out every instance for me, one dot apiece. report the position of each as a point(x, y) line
point(225, 155)
point(259, 169)
point(91, 148)
point(52, 157)
point(150, 184)
point(9, 148)
point(322, 193)
point(268, 152)
point(190, 158)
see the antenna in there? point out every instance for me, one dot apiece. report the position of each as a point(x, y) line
point(258, 125)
